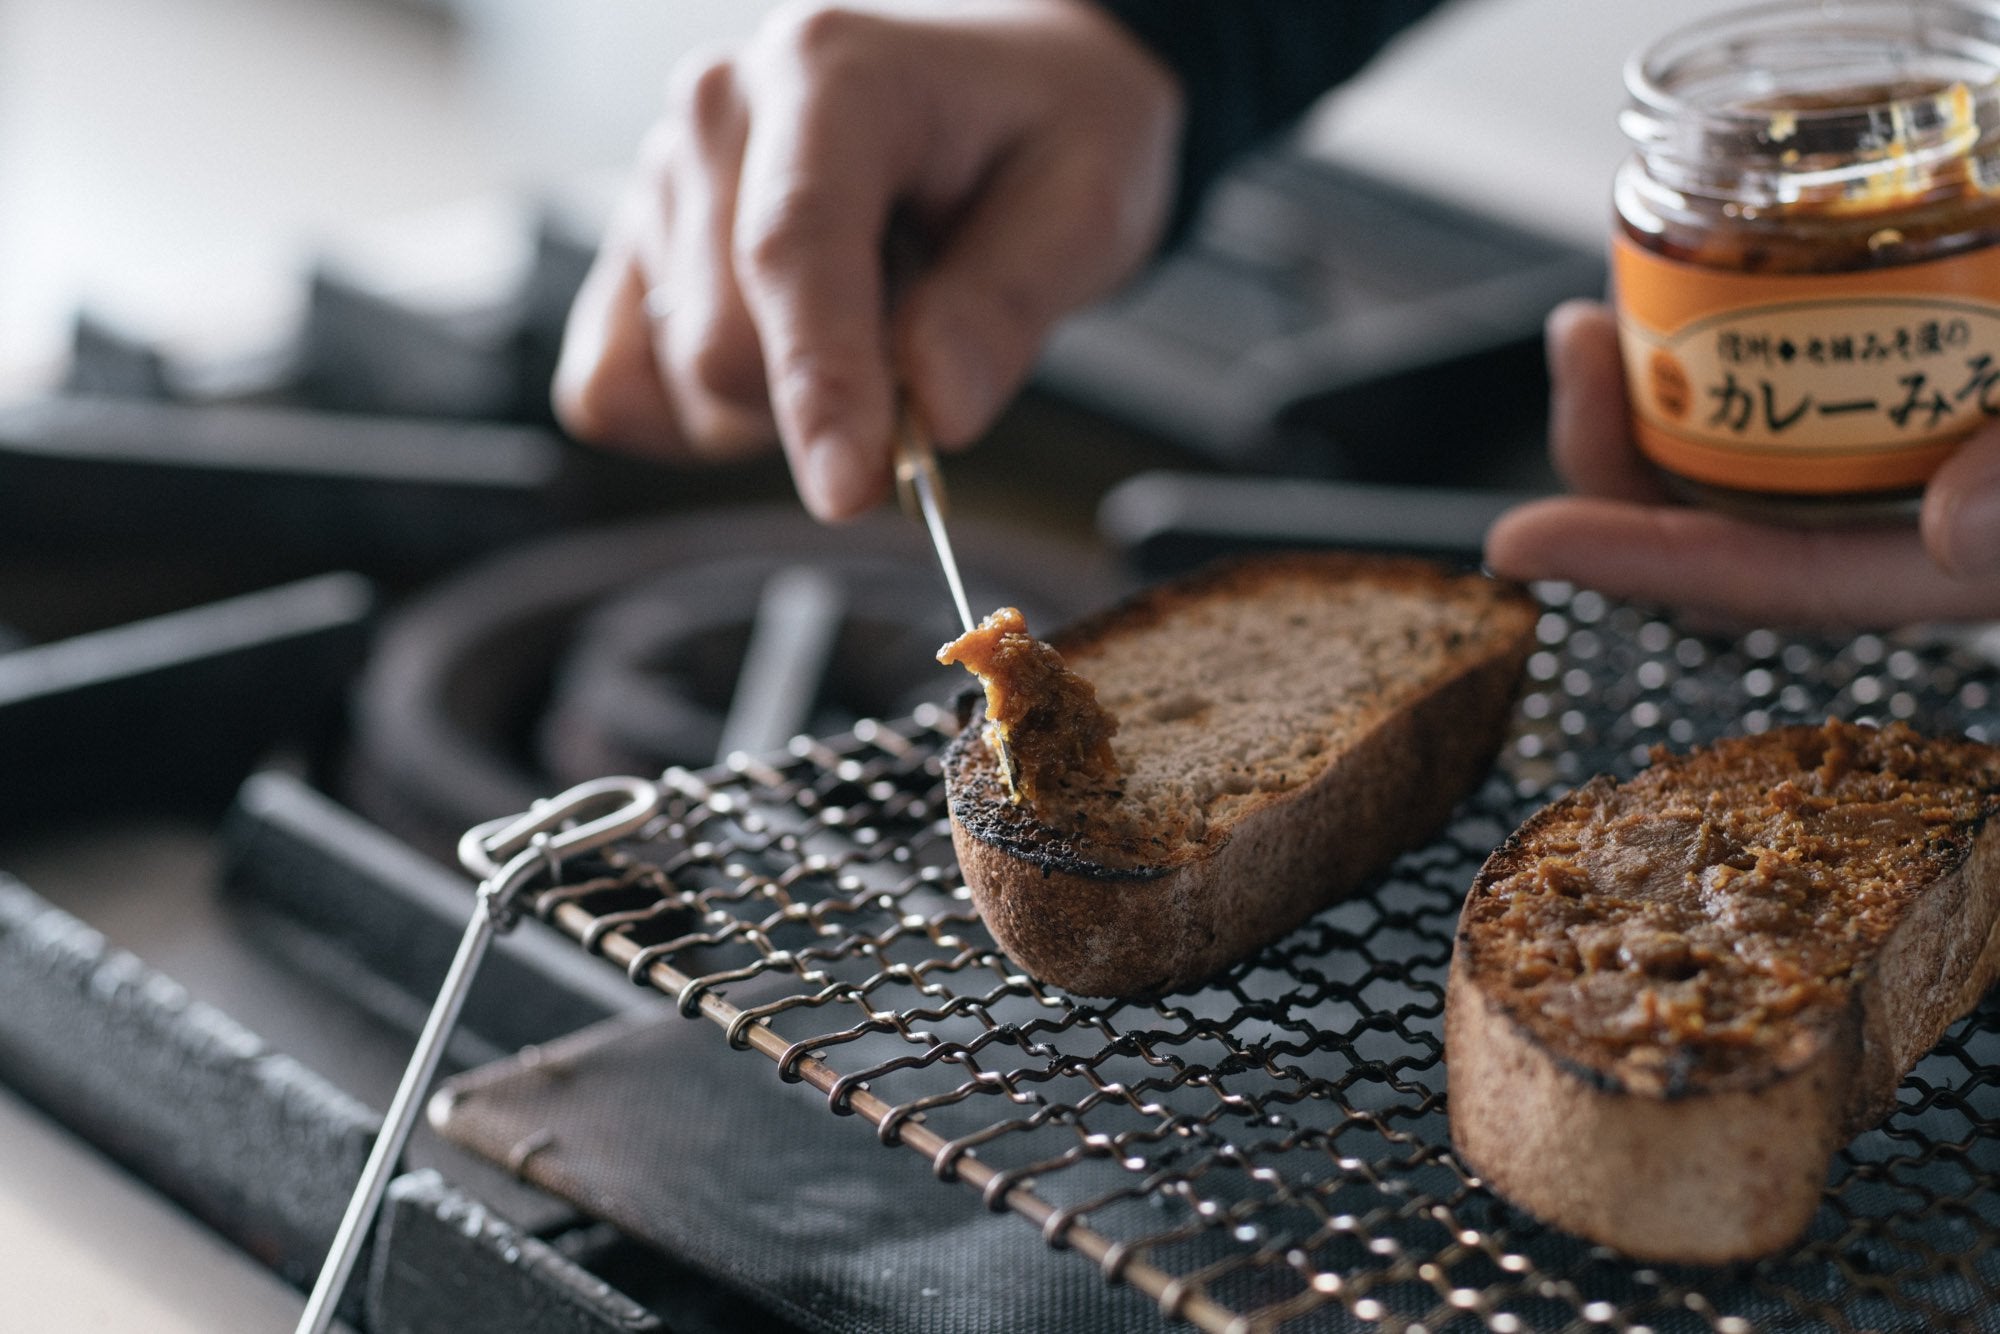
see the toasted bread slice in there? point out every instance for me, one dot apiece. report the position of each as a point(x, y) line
point(1673, 999)
point(1286, 726)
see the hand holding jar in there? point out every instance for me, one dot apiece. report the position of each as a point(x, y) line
point(739, 300)
point(1807, 338)
point(1623, 533)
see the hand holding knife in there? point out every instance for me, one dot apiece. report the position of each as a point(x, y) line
point(921, 491)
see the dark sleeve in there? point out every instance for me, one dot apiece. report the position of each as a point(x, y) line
point(1250, 68)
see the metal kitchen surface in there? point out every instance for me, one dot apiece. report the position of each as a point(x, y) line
point(1270, 1151)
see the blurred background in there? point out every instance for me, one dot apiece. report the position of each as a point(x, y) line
point(178, 166)
point(297, 579)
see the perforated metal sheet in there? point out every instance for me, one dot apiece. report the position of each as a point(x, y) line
point(1272, 1151)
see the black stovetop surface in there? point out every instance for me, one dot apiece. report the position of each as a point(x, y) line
point(263, 658)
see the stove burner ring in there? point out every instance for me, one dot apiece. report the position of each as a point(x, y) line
point(649, 678)
point(616, 650)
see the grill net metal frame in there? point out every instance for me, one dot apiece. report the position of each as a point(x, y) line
point(1272, 1150)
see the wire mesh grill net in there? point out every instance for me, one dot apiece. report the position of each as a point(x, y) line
point(1271, 1151)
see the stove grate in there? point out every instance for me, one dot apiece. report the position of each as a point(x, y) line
point(1271, 1150)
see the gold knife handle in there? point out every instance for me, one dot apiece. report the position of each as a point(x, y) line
point(915, 459)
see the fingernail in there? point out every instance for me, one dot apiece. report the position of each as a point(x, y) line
point(960, 383)
point(835, 481)
point(818, 474)
point(1975, 534)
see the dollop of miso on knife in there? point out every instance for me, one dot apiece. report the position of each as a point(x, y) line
point(1043, 721)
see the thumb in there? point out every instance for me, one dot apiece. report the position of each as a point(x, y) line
point(1961, 514)
point(1040, 241)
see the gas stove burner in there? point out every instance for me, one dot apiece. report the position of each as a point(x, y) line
point(671, 642)
point(663, 674)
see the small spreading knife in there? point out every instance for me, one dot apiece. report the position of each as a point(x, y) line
point(921, 492)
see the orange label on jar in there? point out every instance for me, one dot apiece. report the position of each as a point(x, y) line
point(1808, 383)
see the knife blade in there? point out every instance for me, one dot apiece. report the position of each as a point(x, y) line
point(921, 491)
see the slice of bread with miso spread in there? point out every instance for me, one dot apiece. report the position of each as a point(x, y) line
point(1284, 726)
point(1673, 999)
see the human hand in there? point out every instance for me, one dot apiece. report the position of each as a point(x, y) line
point(1031, 143)
point(1621, 534)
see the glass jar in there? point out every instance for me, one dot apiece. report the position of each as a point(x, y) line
point(1805, 263)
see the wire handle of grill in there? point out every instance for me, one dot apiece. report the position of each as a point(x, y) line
point(507, 855)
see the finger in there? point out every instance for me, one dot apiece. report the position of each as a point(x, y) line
point(705, 342)
point(1044, 238)
point(818, 179)
point(1590, 428)
point(607, 385)
point(1961, 514)
point(1715, 564)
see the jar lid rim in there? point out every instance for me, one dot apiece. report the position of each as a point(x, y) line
point(1972, 25)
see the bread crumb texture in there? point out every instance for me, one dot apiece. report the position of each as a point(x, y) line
point(1711, 917)
point(1224, 703)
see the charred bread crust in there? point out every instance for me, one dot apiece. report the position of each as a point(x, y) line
point(1708, 1179)
point(1123, 917)
point(1712, 1166)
